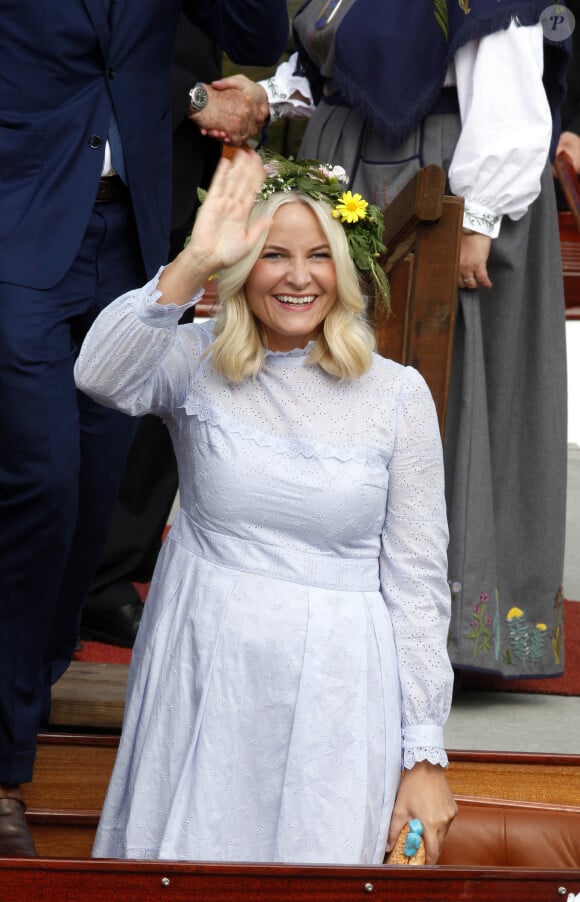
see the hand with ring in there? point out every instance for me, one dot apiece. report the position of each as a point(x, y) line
point(473, 258)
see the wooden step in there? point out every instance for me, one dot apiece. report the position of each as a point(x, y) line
point(90, 696)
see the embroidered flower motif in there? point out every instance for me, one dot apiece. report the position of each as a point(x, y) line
point(526, 639)
point(481, 222)
point(350, 207)
point(482, 626)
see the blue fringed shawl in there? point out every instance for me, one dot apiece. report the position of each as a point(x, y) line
point(391, 56)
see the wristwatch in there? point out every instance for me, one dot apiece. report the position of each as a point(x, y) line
point(198, 97)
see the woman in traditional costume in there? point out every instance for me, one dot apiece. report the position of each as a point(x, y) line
point(474, 88)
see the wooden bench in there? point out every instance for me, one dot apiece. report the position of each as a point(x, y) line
point(569, 225)
point(423, 238)
point(570, 248)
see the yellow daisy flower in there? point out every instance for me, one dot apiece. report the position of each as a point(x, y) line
point(514, 612)
point(351, 207)
point(541, 626)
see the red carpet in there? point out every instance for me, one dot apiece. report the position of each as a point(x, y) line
point(568, 684)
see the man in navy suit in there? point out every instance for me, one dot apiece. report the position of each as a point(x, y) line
point(113, 609)
point(83, 218)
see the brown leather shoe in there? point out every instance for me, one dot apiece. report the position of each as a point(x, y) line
point(15, 837)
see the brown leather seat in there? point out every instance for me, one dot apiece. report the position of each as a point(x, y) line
point(493, 833)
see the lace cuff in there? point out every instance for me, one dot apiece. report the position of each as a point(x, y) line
point(423, 742)
point(424, 753)
point(161, 316)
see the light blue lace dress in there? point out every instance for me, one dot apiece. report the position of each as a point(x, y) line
point(293, 643)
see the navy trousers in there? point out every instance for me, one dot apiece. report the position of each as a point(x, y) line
point(61, 462)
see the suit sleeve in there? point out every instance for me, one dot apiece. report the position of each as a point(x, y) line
point(181, 81)
point(195, 58)
point(251, 32)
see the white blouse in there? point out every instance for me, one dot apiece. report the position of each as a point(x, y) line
point(505, 115)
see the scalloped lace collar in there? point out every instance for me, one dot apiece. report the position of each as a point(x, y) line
point(295, 357)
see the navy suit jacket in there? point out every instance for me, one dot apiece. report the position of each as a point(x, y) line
point(194, 158)
point(62, 69)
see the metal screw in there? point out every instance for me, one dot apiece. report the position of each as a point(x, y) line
point(369, 887)
point(165, 881)
point(562, 890)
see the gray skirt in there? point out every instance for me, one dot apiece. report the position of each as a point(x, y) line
point(505, 438)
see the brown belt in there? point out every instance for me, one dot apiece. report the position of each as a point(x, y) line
point(111, 187)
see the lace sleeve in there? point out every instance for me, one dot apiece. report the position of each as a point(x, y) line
point(135, 357)
point(413, 572)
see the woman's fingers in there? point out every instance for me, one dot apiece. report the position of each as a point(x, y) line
point(475, 279)
point(473, 258)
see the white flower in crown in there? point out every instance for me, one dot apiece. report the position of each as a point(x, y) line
point(271, 168)
point(335, 172)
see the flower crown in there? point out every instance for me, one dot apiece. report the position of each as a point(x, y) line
point(362, 222)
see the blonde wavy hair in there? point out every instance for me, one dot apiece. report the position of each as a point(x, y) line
point(346, 342)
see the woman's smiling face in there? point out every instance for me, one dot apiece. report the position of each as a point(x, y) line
point(292, 286)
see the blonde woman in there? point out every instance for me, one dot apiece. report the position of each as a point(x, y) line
point(291, 662)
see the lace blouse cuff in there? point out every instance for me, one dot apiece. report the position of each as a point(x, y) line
point(424, 753)
point(423, 742)
point(160, 316)
point(481, 219)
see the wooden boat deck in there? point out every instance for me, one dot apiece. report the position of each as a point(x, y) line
point(75, 760)
point(75, 881)
point(72, 771)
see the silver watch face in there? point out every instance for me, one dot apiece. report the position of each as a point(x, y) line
point(198, 97)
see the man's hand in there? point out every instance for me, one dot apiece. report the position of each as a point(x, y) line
point(237, 108)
